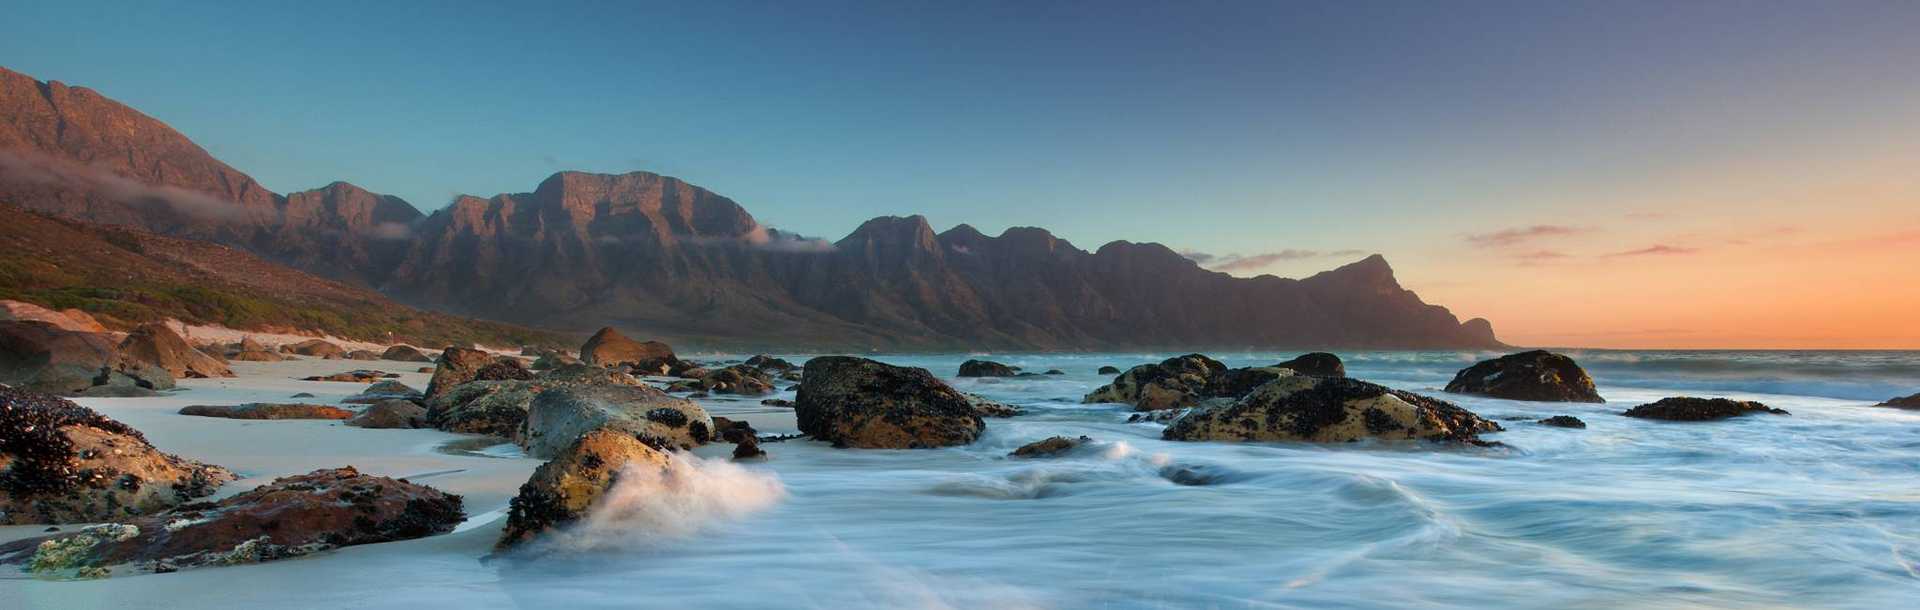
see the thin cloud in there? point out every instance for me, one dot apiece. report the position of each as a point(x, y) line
point(1236, 262)
point(1657, 250)
point(1509, 237)
point(1542, 255)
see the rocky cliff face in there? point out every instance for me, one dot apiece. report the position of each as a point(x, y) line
point(659, 256)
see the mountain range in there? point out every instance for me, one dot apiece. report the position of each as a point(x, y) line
point(657, 256)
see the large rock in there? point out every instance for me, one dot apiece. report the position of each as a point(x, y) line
point(856, 402)
point(1329, 410)
point(268, 410)
point(559, 415)
point(1687, 408)
point(986, 368)
point(41, 357)
point(317, 348)
point(1908, 402)
point(1317, 364)
point(67, 319)
point(1538, 375)
point(561, 491)
point(610, 348)
point(458, 365)
point(499, 408)
point(158, 345)
point(64, 463)
point(290, 517)
point(1175, 382)
point(402, 414)
point(405, 353)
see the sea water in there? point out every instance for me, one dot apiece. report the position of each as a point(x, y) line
point(1818, 509)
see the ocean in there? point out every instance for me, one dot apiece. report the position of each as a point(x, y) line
point(1817, 509)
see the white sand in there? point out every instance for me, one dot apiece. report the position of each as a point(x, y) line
point(259, 451)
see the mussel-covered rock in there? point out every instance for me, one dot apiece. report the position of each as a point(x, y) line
point(1687, 408)
point(1317, 364)
point(1329, 410)
point(1538, 375)
point(1049, 447)
point(861, 403)
point(64, 463)
point(561, 491)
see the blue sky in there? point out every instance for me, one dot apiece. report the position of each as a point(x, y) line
point(1230, 127)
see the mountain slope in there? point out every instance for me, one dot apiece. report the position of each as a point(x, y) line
point(126, 277)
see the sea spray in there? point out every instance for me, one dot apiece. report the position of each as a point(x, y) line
point(651, 505)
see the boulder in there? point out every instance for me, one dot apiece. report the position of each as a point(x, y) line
point(458, 365)
point(405, 353)
point(268, 410)
point(354, 376)
point(1054, 372)
point(384, 390)
point(401, 414)
point(64, 463)
point(769, 363)
point(318, 348)
point(363, 354)
point(610, 348)
point(1317, 364)
point(248, 344)
point(554, 360)
point(1182, 381)
point(559, 415)
point(1329, 410)
point(861, 403)
point(1539, 376)
point(493, 408)
point(1050, 447)
point(40, 357)
point(72, 320)
point(290, 517)
point(1562, 421)
point(157, 345)
point(1908, 402)
point(986, 368)
point(561, 491)
point(1687, 408)
point(738, 379)
point(1109, 370)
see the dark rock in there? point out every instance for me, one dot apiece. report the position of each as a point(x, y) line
point(290, 517)
point(1050, 447)
point(1909, 402)
point(559, 415)
point(401, 414)
point(749, 450)
point(1054, 372)
point(861, 403)
point(777, 402)
point(554, 360)
point(561, 491)
point(41, 357)
point(363, 354)
point(1687, 408)
point(986, 368)
point(1538, 375)
point(267, 410)
point(989, 408)
point(738, 379)
point(317, 348)
point(355, 376)
point(405, 353)
point(385, 390)
point(1183, 381)
point(458, 365)
point(1563, 421)
point(1329, 410)
point(1317, 364)
point(302, 395)
point(64, 463)
point(1159, 417)
point(769, 363)
point(731, 431)
point(157, 345)
point(1109, 370)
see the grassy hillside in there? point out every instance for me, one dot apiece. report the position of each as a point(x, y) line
point(125, 277)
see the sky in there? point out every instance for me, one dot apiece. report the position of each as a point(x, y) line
point(1608, 174)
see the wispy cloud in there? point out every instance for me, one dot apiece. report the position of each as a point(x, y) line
point(1518, 235)
point(1657, 250)
point(1237, 262)
point(1542, 255)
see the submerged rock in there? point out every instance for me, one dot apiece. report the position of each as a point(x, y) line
point(268, 410)
point(1317, 364)
point(1108, 370)
point(158, 345)
point(405, 353)
point(559, 415)
point(64, 463)
point(861, 403)
point(561, 491)
point(986, 368)
point(1539, 375)
point(1050, 447)
point(1562, 421)
point(1329, 410)
point(290, 517)
point(1687, 408)
point(398, 414)
point(41, 357)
